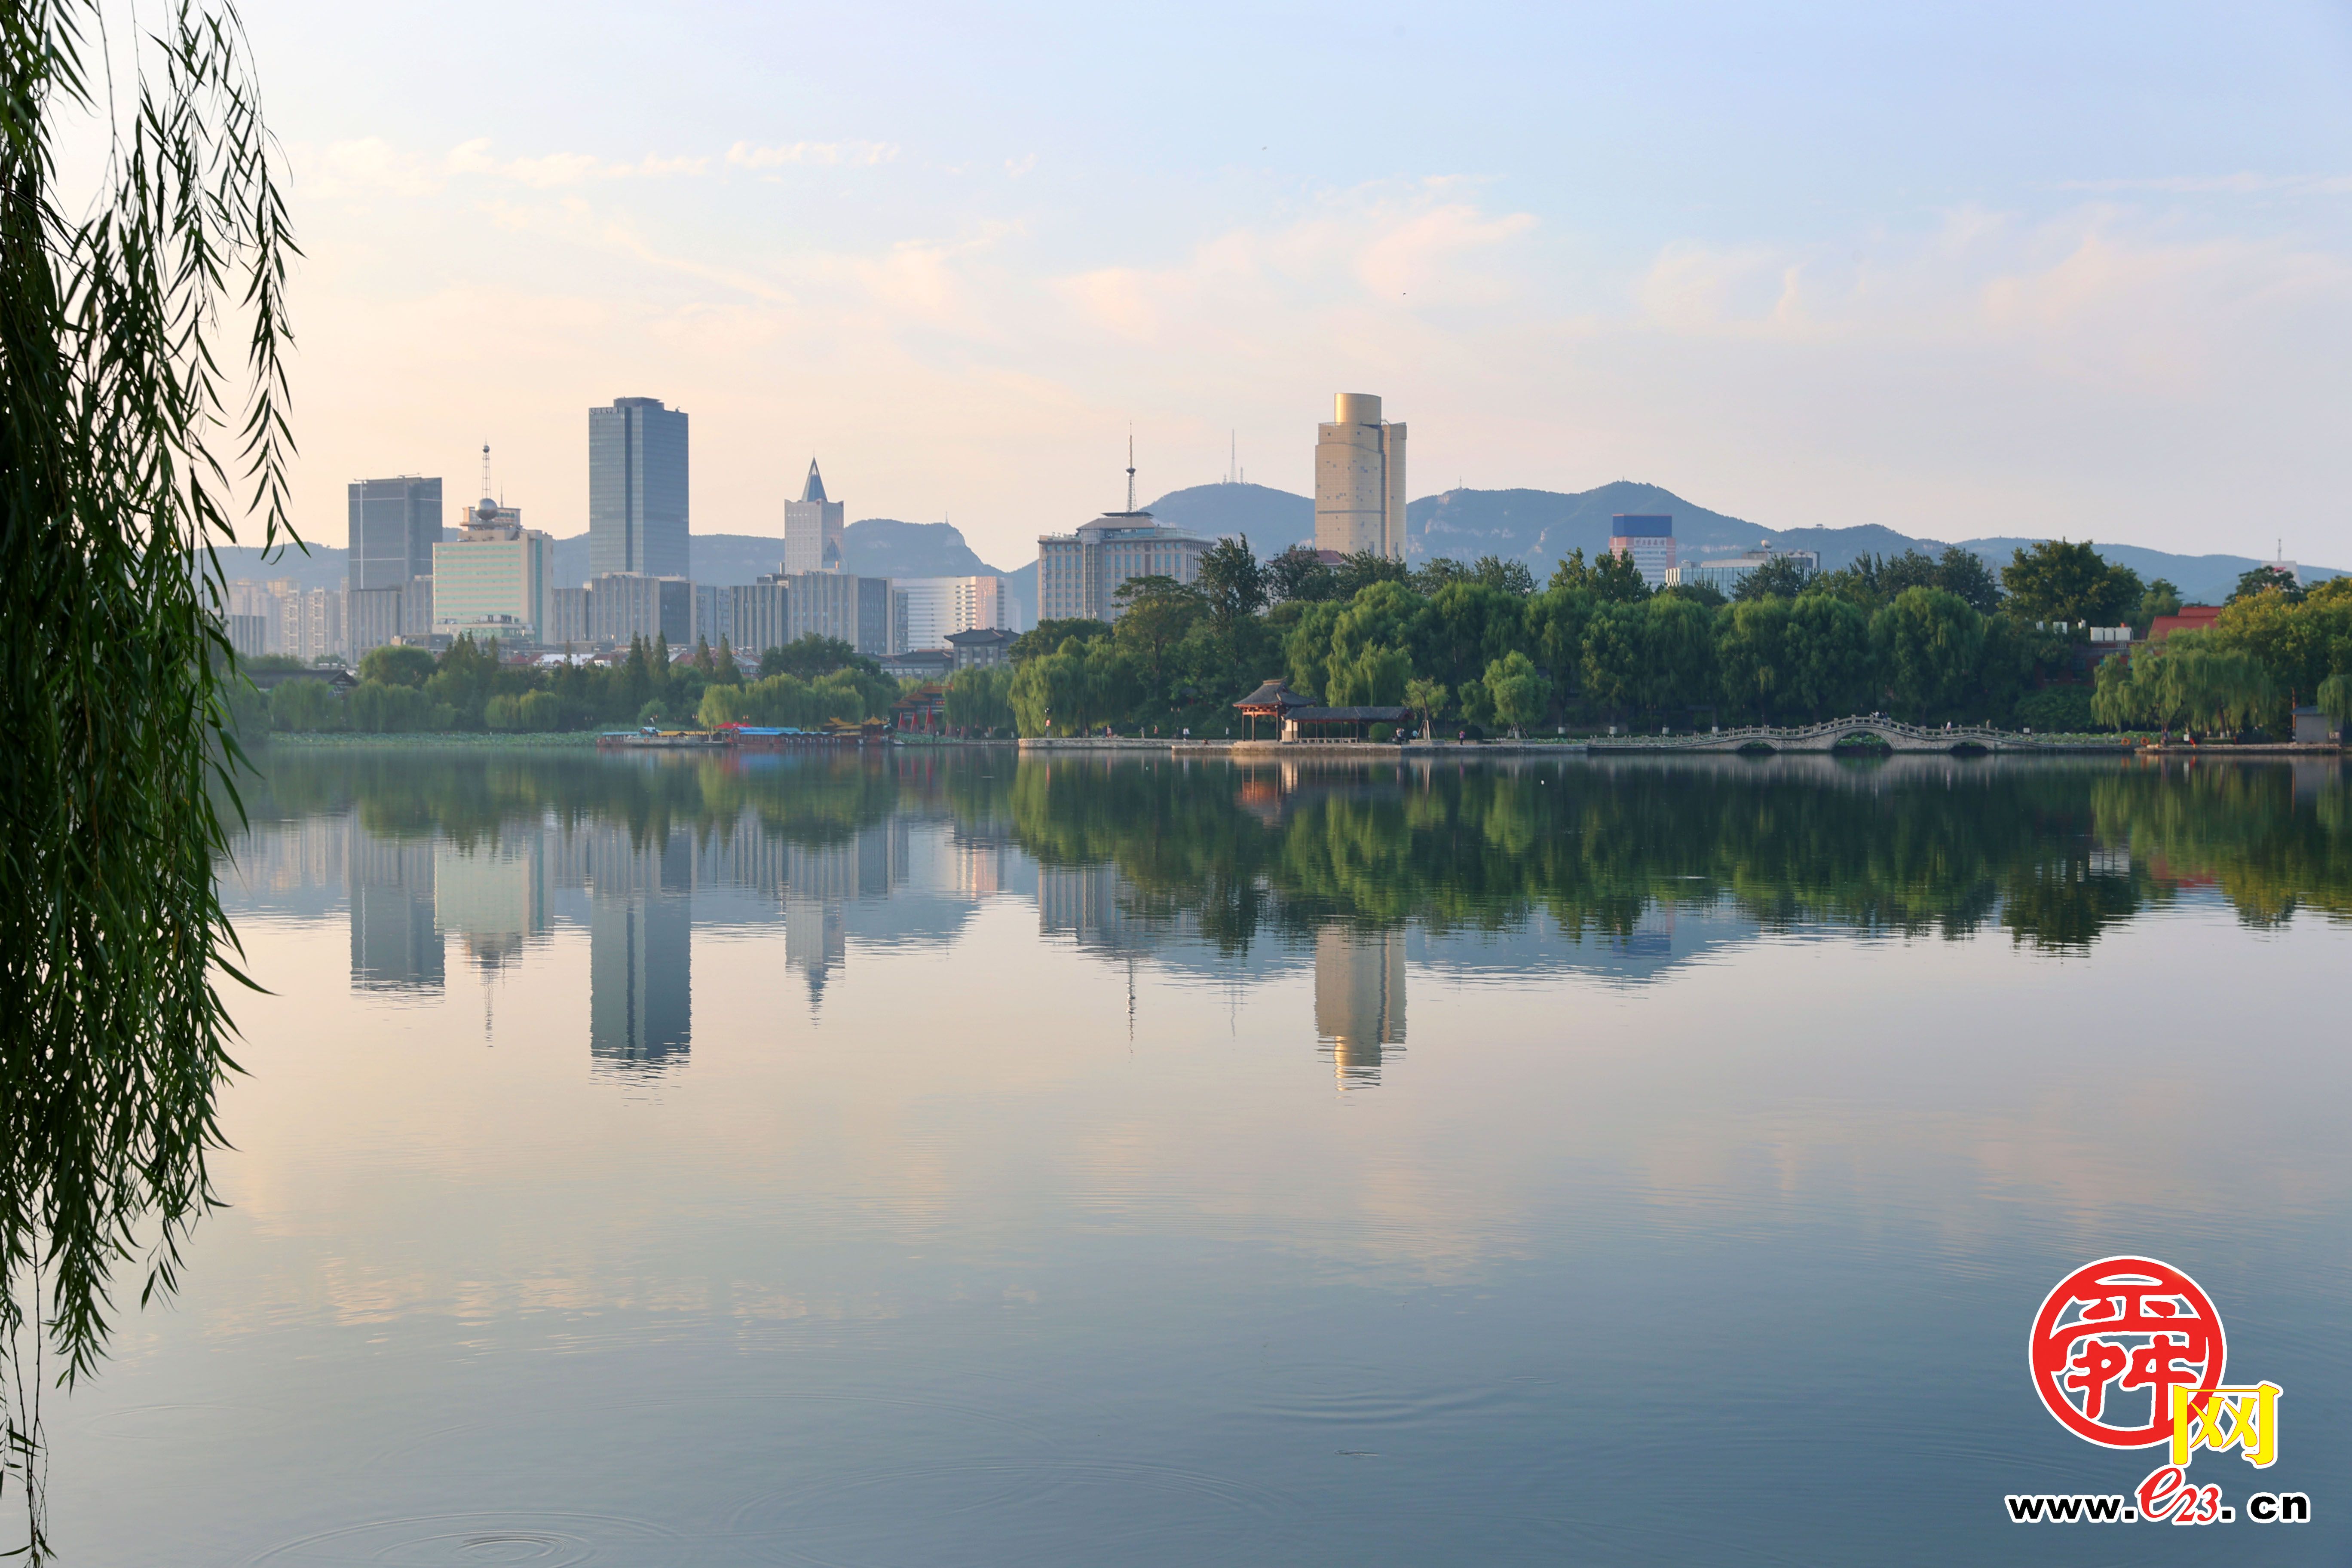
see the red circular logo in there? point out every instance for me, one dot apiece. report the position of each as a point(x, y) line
point(2117, 1327)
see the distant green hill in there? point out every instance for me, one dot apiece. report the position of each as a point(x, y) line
point(1539, 527)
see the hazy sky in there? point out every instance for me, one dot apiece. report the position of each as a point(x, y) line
point(1963, 269)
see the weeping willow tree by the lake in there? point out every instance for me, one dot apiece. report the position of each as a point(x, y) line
point(142, 407)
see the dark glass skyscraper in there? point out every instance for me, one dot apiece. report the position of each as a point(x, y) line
point(396, 523)
point(637, 489)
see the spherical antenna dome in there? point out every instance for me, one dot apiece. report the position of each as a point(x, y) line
point(485, 508)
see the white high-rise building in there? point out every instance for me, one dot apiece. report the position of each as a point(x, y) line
point(927, 611)
point(1359, 481)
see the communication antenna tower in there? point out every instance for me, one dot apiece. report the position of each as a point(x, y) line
point(1130, 468)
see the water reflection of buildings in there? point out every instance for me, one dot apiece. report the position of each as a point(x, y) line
point(640, 982)
point(396, 942)
point(640, 943)
point(1086, 903)
point(493, 897)
point(1359, 999)
point(820, 881)
point(1653, 936)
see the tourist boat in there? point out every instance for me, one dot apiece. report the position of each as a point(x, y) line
point(651, 738)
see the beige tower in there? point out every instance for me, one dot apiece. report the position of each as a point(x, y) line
point(1359, 998)
point(1359, 481)
point(813, 526)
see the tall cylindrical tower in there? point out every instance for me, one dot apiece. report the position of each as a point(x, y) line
point(1359, 484)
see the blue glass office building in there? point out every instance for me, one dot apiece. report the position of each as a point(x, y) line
point(637, 489)
point(394, 525)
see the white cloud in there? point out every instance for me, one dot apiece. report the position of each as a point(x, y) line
point(367, 167)
point(745, 155)
point(556, 169)
point(1375, 247)
point(2095, 295)
point(374, 167)
point(1423, 255)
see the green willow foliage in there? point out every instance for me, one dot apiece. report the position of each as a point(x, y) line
point(112, 1034)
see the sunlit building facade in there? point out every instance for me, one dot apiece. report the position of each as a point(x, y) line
point(1359, 484)
point(1079, 574)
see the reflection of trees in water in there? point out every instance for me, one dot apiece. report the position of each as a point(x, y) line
point(470, 798)
point(1139, 857)
point(2052, 852)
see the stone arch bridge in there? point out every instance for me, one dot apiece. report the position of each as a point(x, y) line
point(1891, 733)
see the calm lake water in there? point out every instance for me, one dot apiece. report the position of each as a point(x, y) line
point(919, 1160)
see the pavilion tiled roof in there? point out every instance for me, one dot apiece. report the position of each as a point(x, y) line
point(1272, 695)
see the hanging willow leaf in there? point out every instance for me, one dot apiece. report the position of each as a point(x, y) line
point(126, 446)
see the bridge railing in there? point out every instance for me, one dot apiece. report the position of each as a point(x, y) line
point(1776, 735)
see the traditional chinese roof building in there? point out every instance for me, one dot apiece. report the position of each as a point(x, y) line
point(1296, 723)
point(922, 711)
point(1290, 711)
point(1272, 699)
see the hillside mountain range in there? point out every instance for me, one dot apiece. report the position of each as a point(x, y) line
point(1537, 527)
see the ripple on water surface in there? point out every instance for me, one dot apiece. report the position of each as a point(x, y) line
point(483, 1540)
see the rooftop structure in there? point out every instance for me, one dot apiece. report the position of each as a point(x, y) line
point(921, 664)
point(982, 647)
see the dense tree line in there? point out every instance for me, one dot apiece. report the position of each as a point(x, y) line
point(2272, 648)
point(468, 688)
point(1482, 647)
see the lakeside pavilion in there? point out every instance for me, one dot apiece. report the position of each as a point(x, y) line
point(1293, 714)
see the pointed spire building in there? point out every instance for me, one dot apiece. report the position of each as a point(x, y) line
point(812, 527)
